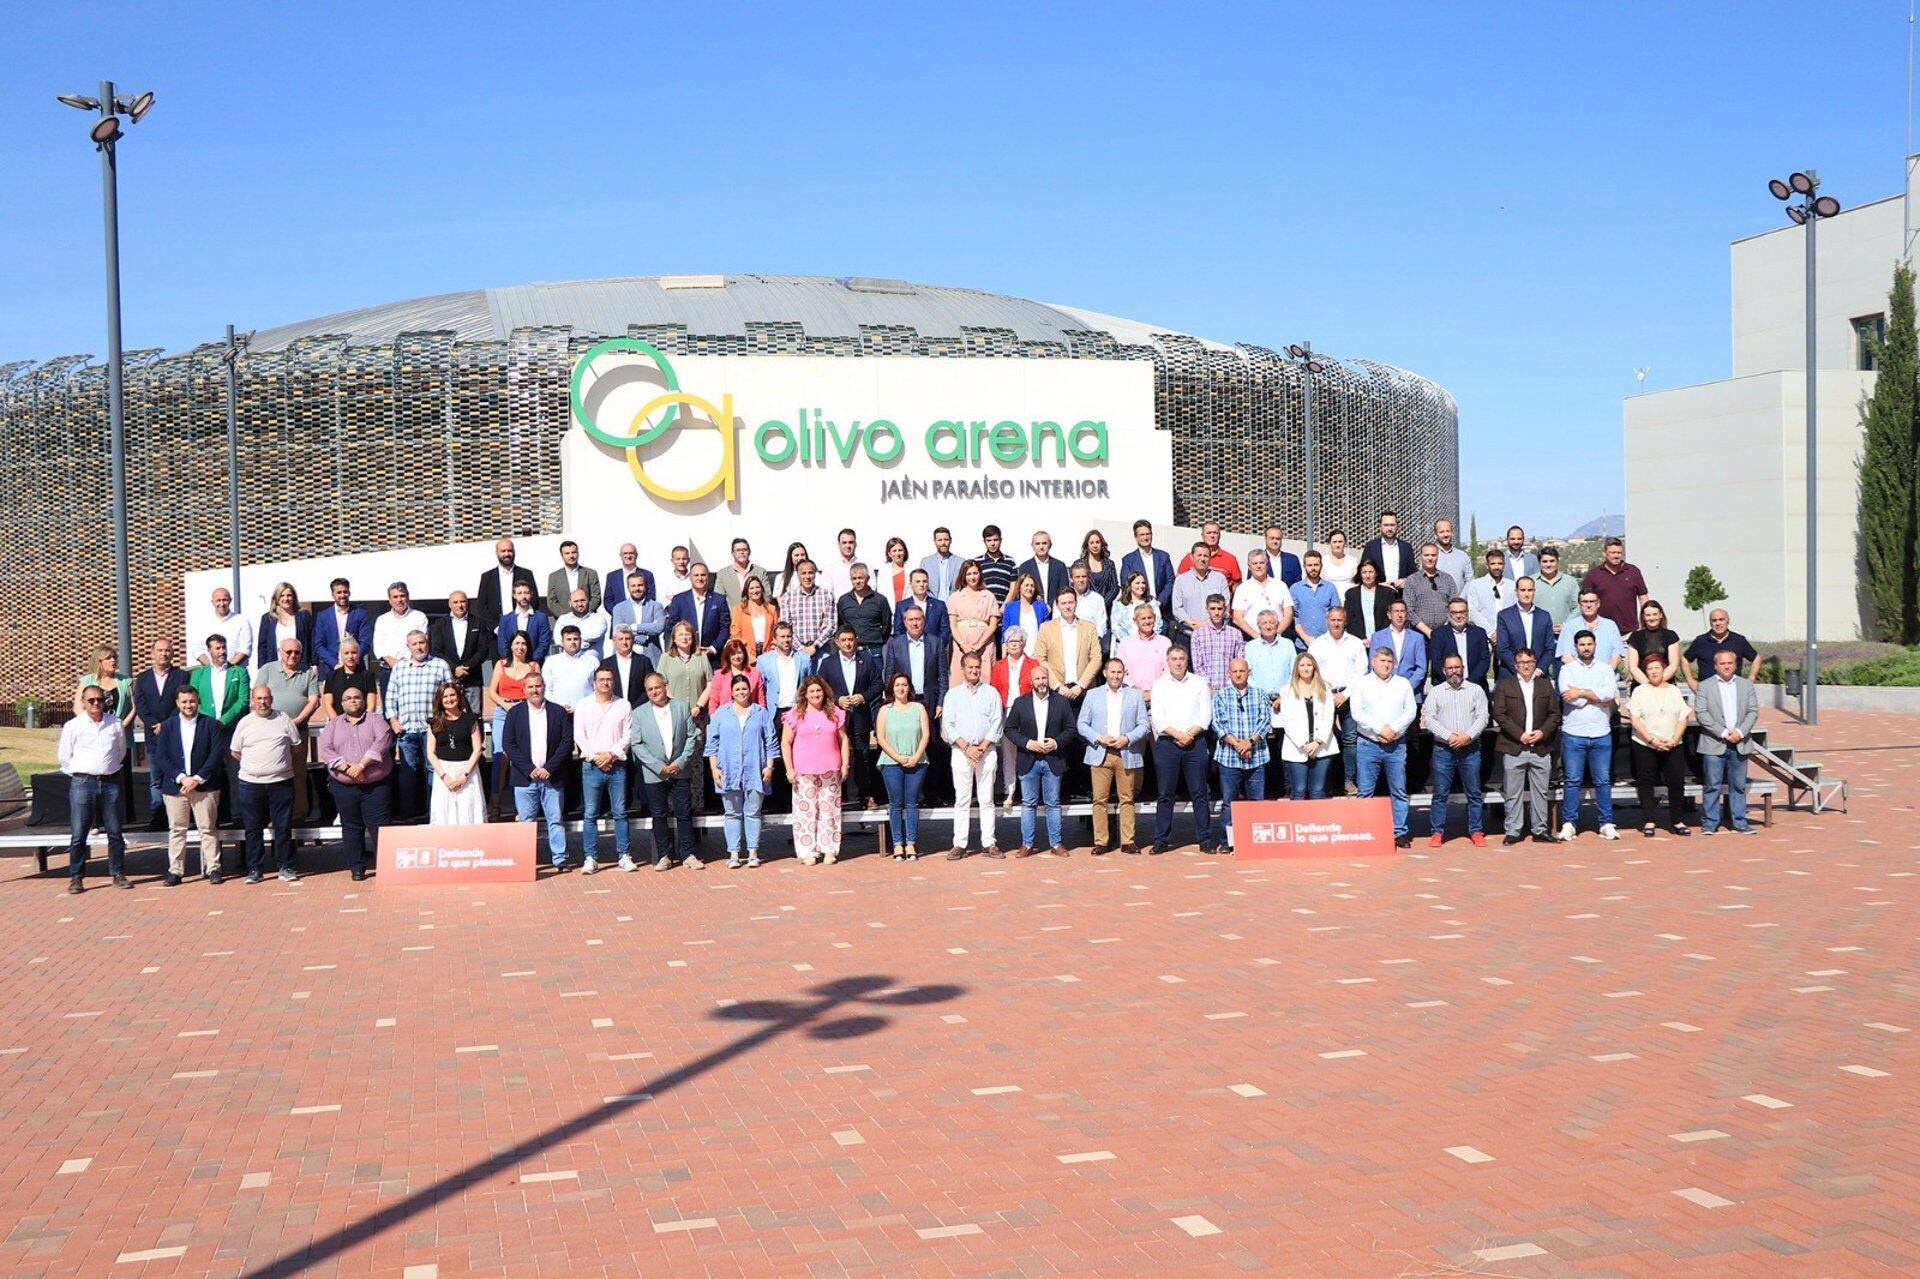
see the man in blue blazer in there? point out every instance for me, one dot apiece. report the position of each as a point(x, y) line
point(186, 757)
point(1405, 564)
point(933, 664)
point(525, 616)
point(703, 608)
point(854, 680)
point(1463, 639)
point(614, 584)
point(1040, 726)
point(155, 691)
point(1160, 579)
point(334, 623)
point(1281, 563)
point(782, 667)
point(1521, 625)
point(920, 595)
point(1113, 723)
point(534, 768)
point(1408, 645)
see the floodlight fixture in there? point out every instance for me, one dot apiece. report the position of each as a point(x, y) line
point(1781, 191)
point(1801, 182)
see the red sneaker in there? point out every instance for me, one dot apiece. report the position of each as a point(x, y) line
point(1477, 840)
point(1436, 839)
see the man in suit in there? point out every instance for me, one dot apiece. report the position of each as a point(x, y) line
point(1069, 648)
point(640, 611)
point(155, 694)
point(1520, 561)
point(1043, 568)
point(1408, 645)
point(538, 743)
point(1040, 726)
point(922, 657)
point(223, 688)
point(782, 667)
point(524, 617)
point(1521, 625)
point(1464, 638)
point(459, 640)
point(1155, 564)
point(665, 745)
point(629, 665)
point(920, 595)
point(702, 609)
point(1389, 553)
point(1525, 709)
point(1283, 564)
point(1113, 724)
point(942, 567)
point(184, 755)
point(854, 680)
point(334, 623)
point(570, 577)
point(1727, 707)
point(614, 585)
point(732, 582)
point(495, 594)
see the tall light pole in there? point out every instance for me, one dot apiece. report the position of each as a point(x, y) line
point(1302, 354)
point(236, 347)
point(1807, 213)
point(105, 135)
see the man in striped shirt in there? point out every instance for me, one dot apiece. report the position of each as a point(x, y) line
point(997, 571)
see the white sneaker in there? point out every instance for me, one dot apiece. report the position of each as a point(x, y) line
point(627, 863)
point(664, 863)
point(589, 866)
point(1566, 831)
point(753, 860)
point(1608, 831)
point(693, 860)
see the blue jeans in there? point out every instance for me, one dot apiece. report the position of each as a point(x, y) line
point(1447, 762)
point(1308, 780)
point(1729, 771)
point(543, 798)
point(603, 789)
point(903, 800)
point(94, 801)
point(741, 819)
point(1236, 782)
point(1039, 785)
point(260, 805)
point(1588, 762)
point(1347, 733)
point(1173, 766)
point(409, 776)
point(1375, 759)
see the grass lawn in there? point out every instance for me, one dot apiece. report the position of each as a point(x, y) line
point(30, 750)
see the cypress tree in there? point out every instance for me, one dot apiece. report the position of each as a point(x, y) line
point(1889, 504)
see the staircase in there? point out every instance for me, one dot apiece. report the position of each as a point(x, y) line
point(1801, 777)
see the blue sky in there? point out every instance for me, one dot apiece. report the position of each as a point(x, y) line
point(1523, 202)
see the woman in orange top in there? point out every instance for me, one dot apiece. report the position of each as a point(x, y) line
point(753, 620)
point(894, 580)
point(972, 617)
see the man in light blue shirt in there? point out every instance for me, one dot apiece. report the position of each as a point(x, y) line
point(1193, 588)
point(1312, 597)
point(1588, 689)
point(942, 566)
point(1520, 561)
point(1608, 648)
point(1270, 657)
point(1449, 558)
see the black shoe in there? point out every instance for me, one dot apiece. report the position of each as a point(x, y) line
point(358, 875)
point(254, 877)
point(1156, 850)
point(1510, 841)
point(172, 880)
point(121, 881)
point(1403, 841)
point(213, 877)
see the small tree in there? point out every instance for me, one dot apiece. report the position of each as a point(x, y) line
point(1473, 542)
point(1703, 589)
point(1889, 505)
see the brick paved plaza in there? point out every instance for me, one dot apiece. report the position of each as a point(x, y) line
point(1649, 1058)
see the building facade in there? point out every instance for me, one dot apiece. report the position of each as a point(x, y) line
point(442, 420)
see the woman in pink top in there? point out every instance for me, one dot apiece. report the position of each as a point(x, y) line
point(734, 660)
point(972, 615)
point(813, 741)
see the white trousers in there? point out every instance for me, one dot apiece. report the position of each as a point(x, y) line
point(973, 781)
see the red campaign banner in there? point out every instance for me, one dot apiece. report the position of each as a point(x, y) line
point(1271, 828)
point(498, 853)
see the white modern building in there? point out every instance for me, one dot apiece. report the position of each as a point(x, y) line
point(1716, 473)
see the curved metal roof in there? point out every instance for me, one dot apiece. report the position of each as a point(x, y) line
point(715, 305)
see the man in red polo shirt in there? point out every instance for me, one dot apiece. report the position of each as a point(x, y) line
point(1621, 588)
point(1223, 560)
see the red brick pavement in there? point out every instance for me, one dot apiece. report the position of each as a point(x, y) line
point(1478, 1059)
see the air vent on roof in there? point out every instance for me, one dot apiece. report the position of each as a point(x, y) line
point(875, 284)
point(693, 281)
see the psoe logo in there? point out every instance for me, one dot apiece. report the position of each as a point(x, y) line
point(611, 377)
point(413, 859)
point(1273, 832)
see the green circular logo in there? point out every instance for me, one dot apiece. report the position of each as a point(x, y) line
point(584, 415)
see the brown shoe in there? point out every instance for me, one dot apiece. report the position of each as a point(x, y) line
point(955, 854)
point(1134, 849)
point(1056, 851)
point(1023, 851)
point(992, 850)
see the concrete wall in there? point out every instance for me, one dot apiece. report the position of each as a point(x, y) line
point(1856, 250)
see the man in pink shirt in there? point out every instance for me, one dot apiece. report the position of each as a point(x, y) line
point(602, 728)
point(1143, 653)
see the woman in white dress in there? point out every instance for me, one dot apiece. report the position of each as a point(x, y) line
point(453, 752)
point(1337, 564)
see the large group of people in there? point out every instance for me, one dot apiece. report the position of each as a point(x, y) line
point(971, 682)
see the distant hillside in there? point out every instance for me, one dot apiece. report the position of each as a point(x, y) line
point(1614, 525)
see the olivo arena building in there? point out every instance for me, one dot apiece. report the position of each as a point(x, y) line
point(442, 420)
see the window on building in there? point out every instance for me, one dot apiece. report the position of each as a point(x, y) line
point(1868, 332)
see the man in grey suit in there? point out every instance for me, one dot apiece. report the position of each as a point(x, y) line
point(1114, 725)
point(664, 745)
point(568, 578)
point(1727, 707)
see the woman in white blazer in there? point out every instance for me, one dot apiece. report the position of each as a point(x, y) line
point(1307, 749)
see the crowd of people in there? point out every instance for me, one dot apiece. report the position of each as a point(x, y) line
point(975, 682)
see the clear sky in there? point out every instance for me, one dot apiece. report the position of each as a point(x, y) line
point(1523, 202)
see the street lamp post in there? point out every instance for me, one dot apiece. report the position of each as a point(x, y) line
point(1302, 353)
point(105, 134)
point(236, 347)
point(1807, 213)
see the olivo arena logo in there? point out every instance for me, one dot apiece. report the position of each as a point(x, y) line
point(611, 370)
